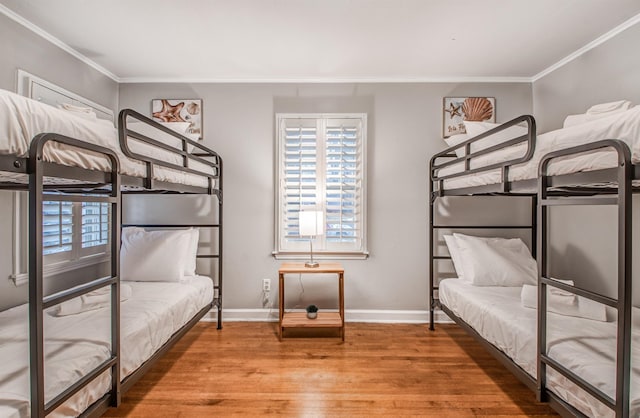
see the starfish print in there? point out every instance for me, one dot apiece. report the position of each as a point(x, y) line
point(453, 110)
point(170, 113)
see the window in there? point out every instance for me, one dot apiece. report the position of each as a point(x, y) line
point(321, 166)
point(66, 240)
point(75, 235)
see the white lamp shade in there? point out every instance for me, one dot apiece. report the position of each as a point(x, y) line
point(311, 223)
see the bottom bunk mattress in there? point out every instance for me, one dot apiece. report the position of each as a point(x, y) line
point(587, 347)
point(77, 343)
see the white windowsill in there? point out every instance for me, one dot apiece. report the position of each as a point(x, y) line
point(63, 267)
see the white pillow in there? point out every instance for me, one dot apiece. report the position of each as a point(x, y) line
point(82, 112)
point(154, 133)
point(573, 120)
point(154, 256)
point(477, 128)
point(192, 251)
point(619, 105)
point(455, 140)
point(454, 251)
point(559, 302)
point(179, 127)
point(496, 261)
point(97, 299)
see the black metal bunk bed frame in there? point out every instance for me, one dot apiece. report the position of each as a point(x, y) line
point(566, 189)
point(97, 186)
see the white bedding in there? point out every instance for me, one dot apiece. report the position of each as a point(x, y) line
point(585, 346)
point(76, 344)
point(624, 126)
point(22, 118)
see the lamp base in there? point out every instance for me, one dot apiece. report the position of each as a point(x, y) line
point(312, 264)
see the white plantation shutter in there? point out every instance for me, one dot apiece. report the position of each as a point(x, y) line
point(343, 183)
point(299, 181)
point(57, 223)
point(95, 224)
point(74, 235)
point(321, 167)
point(65, 239)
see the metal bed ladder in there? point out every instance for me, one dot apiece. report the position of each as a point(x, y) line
point(620, 197)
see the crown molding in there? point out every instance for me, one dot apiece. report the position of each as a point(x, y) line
point(588, 47)
point(57, 42)
point(327, 80)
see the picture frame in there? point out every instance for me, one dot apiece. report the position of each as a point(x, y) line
point(456, 110)
point(179, 110)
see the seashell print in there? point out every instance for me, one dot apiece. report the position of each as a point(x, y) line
point(477, 109)
point(193, 108)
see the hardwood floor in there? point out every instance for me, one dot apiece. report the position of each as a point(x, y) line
point(381, 369)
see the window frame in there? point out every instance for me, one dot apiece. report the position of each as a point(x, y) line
point(55, 263)
point(301, 252)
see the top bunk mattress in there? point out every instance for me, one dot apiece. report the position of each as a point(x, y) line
point(75, 344)
point(21, 119)
point(587, 347)
point(624, 126)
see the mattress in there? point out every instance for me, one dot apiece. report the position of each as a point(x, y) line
point(586, 347)
point(624, 126)
point(22, 118)
point(75, 344)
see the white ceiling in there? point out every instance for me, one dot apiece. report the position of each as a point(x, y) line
point(325, 40)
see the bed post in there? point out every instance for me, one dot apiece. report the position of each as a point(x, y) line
point(541, 253)
point(36, 305)
point(534, 226)
point(220, 242)
point(116, 224)
point(625, 278)
point(432, 199)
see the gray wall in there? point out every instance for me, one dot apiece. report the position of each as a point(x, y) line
point(405, 123)
point(583, 239)
point(22, 49)
point(606, 73)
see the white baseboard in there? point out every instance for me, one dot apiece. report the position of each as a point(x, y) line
point(351, 315)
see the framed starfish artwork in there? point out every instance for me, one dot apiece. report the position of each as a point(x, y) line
point(179, 110)
point(456, 110)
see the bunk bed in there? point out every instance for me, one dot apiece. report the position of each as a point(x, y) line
point(88, 344)
point(581, 366)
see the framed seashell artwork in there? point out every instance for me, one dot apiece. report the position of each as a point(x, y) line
point(179, 111)
point(455, 110)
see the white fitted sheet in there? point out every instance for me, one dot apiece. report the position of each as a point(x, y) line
point(584, 346)
point(22, 118)
point(75, 344)
point(624, 126)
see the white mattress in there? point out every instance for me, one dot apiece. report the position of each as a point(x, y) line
point(624, 126)
point(584, 346)
point(76, 344)
point(22, 118)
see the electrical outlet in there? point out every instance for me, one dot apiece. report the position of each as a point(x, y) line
point(266, 285)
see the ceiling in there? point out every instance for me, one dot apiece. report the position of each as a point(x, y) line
point(324, 40)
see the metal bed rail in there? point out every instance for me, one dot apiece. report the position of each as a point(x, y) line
point(448, 157)
point(189, 151)
point(622, 176)
point(37, 169)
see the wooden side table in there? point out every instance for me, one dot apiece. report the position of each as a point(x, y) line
point(299, 319)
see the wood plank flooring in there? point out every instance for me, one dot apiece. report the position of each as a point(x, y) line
point(380, 370)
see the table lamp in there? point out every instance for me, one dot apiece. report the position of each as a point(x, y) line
point(311, 225)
